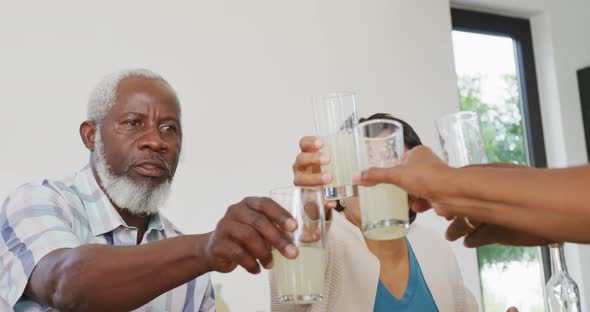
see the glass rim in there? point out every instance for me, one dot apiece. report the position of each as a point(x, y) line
point(334, 94)
point(375, 121)
point(462, 115)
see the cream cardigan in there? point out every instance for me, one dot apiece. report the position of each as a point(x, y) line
point(353, 272)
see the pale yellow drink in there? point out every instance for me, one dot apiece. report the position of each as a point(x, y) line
point(301, 279)
point(343, 163)
point(384, 211)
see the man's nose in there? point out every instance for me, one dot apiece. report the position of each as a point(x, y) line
point(152, 139)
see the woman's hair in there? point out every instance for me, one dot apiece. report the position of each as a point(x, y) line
point(411, 140)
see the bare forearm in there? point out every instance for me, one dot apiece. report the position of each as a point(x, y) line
point(106, 278)
point(551, 203)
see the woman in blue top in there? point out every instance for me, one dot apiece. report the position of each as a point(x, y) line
point(417, 273)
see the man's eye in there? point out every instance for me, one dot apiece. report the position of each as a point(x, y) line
point(168, 128)
point(133, 123)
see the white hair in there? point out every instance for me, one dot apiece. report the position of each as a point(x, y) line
point(104, 94)
point(123, 192)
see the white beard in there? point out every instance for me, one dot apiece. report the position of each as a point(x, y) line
point(137, 199)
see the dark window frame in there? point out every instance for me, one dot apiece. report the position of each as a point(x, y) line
point(518, 29)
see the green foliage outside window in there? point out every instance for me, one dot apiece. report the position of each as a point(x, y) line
point(502, 130)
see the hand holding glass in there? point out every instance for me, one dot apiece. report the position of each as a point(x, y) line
point(335, 121)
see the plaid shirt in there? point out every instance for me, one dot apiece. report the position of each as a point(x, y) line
point(39, 218)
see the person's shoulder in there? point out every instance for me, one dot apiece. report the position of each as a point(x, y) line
point(39, 190)
point(44, 194)
point(49, 185)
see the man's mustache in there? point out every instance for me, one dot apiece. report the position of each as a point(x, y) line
point(156, 160)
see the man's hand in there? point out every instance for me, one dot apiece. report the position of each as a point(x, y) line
point(486, 234)
point(246, 234)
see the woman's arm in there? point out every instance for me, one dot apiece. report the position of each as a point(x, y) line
point(550, 203)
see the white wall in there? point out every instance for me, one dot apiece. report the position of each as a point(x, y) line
point(245, 72)
point(562, 46)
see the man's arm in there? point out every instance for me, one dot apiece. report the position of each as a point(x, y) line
point(121, 278)
point(101, 277)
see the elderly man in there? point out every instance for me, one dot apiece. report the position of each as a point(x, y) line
point(96, 241)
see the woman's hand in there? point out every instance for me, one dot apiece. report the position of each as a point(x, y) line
point(486, 234)
point(307, 167)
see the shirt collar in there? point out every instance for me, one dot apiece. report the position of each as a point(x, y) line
point(156, 223)
point(102, 215)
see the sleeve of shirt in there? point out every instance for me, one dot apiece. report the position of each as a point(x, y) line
point(34, 221)
point(208, 303)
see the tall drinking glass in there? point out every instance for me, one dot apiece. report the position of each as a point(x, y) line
point(336, 118)
point(461, 140)
point(301, 280)
point(462, 143)
point(384, 207)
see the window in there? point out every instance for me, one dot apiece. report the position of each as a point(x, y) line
point(496, 78)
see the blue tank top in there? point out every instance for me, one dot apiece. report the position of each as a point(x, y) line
point(417, 296)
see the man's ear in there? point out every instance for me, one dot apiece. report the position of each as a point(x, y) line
point(87, 133)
